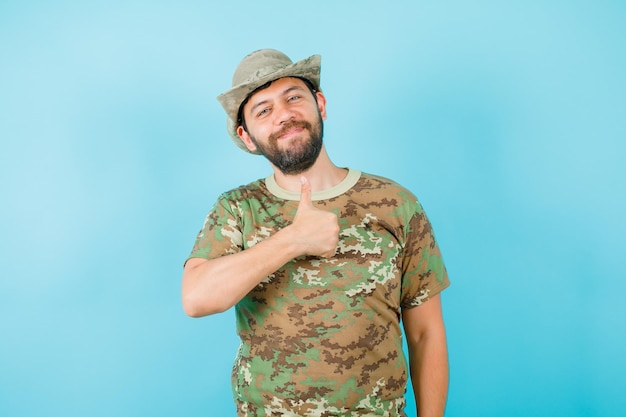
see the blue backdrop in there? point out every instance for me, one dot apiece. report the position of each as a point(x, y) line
point(507, 119)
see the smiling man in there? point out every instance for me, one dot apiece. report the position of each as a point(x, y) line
point(322, 264)
point(293, 97)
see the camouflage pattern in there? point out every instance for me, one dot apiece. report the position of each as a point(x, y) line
point(256, 69)
point(322, 337)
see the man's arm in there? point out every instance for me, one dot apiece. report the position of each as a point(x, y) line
point(215, 285)
point(428, 356)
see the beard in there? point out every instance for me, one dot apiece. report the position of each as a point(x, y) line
point(301, 153)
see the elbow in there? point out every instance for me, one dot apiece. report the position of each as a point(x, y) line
point(189, 308)
point(199, 299)
point(195, 308)
point(192, 311)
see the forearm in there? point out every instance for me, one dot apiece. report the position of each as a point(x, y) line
point(429, 374)
point(213, 286)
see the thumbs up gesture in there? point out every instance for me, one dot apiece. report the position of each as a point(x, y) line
point(317, 231)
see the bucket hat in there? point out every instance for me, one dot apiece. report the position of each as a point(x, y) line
point(257, 69)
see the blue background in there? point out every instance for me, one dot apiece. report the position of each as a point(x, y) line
point(507, 119)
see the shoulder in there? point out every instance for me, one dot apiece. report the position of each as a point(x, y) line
point(385, 186)
point(391, 198)
point(242, 199)
point(253, 190)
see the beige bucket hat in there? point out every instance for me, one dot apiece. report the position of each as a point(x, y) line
point(258, 68)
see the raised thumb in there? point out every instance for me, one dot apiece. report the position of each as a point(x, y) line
point(305, 192)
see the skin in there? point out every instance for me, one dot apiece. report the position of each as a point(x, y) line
point(428, 356)
point(215, 285)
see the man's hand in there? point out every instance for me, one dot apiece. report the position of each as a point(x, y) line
point(316, 230)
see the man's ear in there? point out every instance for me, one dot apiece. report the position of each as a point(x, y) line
point(321, 104)
point(245, 138)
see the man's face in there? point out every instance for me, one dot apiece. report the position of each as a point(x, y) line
point(285, 124)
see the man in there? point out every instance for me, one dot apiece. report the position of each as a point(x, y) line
point(321, 263)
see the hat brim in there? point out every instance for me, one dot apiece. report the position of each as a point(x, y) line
point(308, 68)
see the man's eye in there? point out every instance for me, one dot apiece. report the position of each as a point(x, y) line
point(293, 98)
point(262, 112)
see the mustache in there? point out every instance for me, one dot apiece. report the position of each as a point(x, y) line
point(290, 125)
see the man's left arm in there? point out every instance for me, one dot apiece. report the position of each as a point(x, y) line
point(428, 356)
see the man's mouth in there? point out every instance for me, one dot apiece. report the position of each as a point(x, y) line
point(291, 130)
point(290, 133)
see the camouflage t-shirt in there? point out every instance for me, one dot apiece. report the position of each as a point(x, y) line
point(322, 337)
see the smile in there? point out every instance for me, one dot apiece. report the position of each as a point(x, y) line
point(291, 132)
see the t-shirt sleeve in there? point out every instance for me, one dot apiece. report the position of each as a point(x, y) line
point(221, 233)
point(424, 273)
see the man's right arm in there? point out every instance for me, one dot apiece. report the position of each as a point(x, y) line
point(214, 285)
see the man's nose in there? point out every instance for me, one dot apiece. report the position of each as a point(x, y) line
point(283, 114)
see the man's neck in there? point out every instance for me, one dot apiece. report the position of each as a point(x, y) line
point(322, 175)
